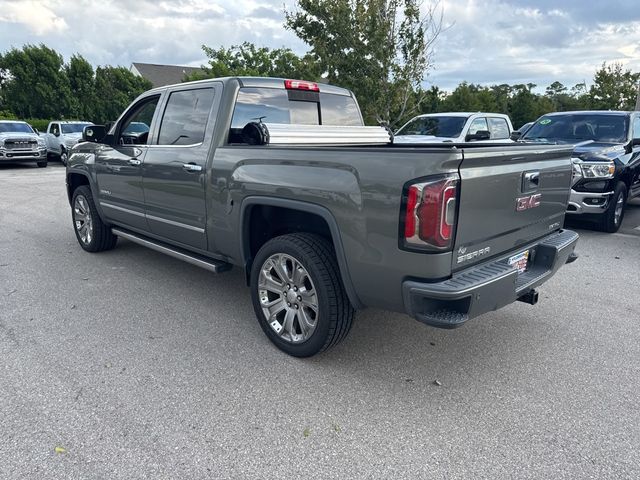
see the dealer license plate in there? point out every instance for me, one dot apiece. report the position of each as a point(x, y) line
point(520, 261)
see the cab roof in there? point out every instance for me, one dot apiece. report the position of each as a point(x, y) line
point(264, 82)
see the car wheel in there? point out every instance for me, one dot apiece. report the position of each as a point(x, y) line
point(613, 216)
point(92, 233)
point(298, 295)
point(64, 156)
point(42, 164)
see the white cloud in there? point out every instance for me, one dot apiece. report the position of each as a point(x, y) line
point(36, 16)
point(490, 41)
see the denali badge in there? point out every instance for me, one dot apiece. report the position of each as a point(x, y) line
point(530, 201)
point(471, 255)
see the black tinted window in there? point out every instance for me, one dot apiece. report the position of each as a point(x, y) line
point(273, 105)
point(636, 128)
point(185, 118)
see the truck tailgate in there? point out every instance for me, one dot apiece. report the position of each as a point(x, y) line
point(509, 196)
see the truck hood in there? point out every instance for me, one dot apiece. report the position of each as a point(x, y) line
point(12, 135)
point(589, 151)
point(422, 139)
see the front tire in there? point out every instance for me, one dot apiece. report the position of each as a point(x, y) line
point(298, 295)
point(92, 234)
point(42, 164)
point(613, 216)
point(64, 156)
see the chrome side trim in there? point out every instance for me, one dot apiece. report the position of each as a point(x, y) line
point(175, 224)
point(152, 217)
point(121, 209)
point(208, 264)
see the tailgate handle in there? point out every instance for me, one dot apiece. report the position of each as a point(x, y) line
point(531, 181)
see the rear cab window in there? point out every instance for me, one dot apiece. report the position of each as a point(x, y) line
point(279, 105)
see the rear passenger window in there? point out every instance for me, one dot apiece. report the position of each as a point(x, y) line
point(185, 118)
point(498, 127)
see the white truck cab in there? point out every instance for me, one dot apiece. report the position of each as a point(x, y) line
point(456, 127)
point(61, 136)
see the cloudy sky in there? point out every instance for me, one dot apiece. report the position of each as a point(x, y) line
point(488, 41)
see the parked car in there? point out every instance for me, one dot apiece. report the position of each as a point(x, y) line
point(606, 160)
point(324, 217)
point(516, 134)
point(456, 127)
point(19, 142)
point(61, 136)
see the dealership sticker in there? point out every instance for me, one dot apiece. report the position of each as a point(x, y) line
point(546, 121)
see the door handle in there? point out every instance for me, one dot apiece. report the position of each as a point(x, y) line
point(191, 167)
point(134, 162)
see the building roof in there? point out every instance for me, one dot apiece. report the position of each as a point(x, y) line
point(161, 75)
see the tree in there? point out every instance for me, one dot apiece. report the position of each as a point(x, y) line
point(34, 83)
point(614, 88)
point(247, 59)
point(115, 88)
point(81, 81)
point(380, 49)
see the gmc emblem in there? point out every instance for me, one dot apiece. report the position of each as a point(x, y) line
point(530, 201)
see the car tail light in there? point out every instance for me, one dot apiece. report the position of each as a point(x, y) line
point(430, 213)
point(301, 85)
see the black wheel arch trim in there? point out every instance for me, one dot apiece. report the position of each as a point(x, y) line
point(92, 187)
point(312, 208)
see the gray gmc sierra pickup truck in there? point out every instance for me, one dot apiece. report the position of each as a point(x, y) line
point(325, 215)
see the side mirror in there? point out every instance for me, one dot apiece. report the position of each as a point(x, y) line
point(56, 133)
point(479, 135)
point(94, 133)
point(515, 135)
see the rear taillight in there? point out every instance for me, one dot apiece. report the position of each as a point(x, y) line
point(301, 85)
point(430, 213)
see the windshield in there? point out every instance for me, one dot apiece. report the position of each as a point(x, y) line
point(450, 127)
point(576, 128)
point(15, 127)
point(73, 127)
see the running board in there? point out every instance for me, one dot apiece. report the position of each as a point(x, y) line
point(215, 266)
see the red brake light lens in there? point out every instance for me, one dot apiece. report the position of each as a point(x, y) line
point(430, 214)
point(301, 85)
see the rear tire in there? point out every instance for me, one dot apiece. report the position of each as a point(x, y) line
point(613, 216)
point(92, 233)
point(298, 295)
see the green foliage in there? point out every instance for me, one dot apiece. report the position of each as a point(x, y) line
point(81, 81)
point(36, 84)
point(380, 49)
point(614, 88)
point(116, 87)
point(249, 60)
point(33, 82)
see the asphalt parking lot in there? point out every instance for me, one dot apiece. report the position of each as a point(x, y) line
point(131, 364)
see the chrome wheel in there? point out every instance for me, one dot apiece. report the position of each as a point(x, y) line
point(64, 157)
point(288, 298)
point(82, 220)
point(617, 214)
